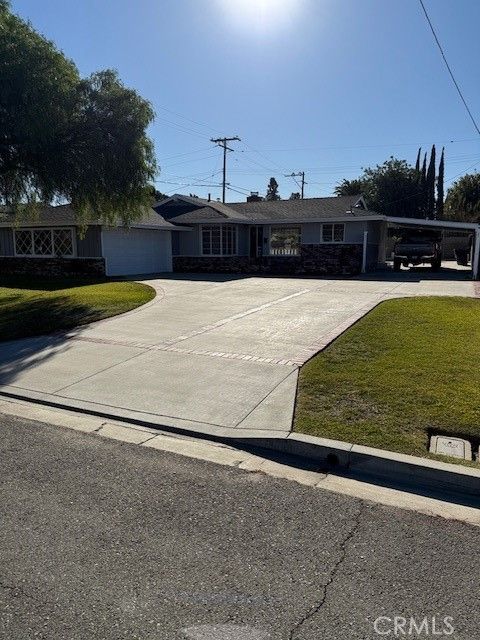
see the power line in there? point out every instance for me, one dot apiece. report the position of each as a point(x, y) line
point(187, 153)
point(177, 164)
point(365, 146)
point(179, 115)
point(222, 142)
point(449, 68)
point(183, 129)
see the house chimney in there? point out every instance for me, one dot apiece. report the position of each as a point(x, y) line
point(209, 197)
point(254, 197)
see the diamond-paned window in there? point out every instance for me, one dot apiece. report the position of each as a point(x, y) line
point(42, 242)
point(23, 242)
point(63, 242)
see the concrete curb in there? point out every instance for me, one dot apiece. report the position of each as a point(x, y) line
point(374, 465)
point(378, 465)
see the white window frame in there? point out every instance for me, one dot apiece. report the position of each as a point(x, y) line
point(42, 255)
point(284, 226)
point(222, 253)
point(333, 225)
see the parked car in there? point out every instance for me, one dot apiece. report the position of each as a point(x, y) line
point(418, 247)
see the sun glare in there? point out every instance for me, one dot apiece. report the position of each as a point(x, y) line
point(260, 15)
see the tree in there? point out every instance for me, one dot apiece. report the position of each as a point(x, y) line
point(156, 194)
point(295, 196)
point(463, 199)
point(272, 190)
point(422, 196)
point(417, 163)
point(430, 187)
point(440, 185)
point(350, 187)
point(391, 188)
point(63, 138)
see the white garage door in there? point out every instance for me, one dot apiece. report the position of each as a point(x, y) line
point(136, 251)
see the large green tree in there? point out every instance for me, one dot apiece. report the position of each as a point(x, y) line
point(64, 138)
point(390, 188)
point(463, 199)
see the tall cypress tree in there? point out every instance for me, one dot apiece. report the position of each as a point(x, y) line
point(440, 185)
point(417, 164)
point(430, 186)
point(418, 199)
point(423, 188)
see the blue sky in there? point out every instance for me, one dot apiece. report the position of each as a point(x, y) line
point(325, 86)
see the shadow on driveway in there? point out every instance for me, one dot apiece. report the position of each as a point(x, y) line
point(19, 356)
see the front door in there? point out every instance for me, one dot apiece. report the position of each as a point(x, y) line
point(256, 242)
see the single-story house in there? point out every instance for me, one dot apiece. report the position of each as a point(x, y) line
point(332, 236)
point(318, 236)
point(315, 235)
point(53, 243)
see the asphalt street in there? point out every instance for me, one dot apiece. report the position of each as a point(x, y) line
point(106, 540)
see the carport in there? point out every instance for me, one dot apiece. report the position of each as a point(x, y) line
point(420, 223)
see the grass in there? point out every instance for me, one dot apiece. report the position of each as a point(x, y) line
point(408, 369)
point(31, 307)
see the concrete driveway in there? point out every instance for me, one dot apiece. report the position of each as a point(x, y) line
point(209, 354)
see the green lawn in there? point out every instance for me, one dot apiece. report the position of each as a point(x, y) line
point(33, 307)
point(409, 368)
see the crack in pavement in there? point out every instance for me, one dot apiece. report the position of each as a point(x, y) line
point(17, 591)
point(343, 554)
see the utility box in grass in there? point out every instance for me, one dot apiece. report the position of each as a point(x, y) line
point(455, 447)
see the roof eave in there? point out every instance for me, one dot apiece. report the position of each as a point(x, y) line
point(446, 224)
point(158, 227)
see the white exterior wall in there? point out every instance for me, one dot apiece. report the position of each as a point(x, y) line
point(136, 251)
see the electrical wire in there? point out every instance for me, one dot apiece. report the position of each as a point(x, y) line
point(449, 68)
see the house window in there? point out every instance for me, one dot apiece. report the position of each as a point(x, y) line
point(219, 240)
point(333, 232)
point(285, 241)
point(63, 242)
point(43, 243)
point(23, 242)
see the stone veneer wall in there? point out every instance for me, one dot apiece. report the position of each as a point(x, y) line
point(52, 267)
point(318, 259)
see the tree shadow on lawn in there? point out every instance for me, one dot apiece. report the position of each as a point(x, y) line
point(38, 316)
point(48, 284)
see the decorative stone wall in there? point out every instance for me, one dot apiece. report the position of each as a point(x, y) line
point(321, 259)
point(52, 267)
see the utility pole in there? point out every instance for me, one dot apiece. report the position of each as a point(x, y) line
point(222, 142)
point(300, 174)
